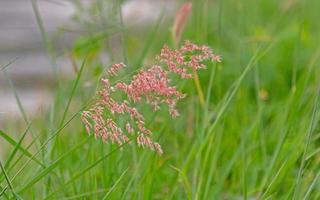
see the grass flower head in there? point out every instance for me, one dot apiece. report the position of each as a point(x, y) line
point(149, 86)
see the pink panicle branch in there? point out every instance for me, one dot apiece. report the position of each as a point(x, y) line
point(180, 21)
point(149, 86)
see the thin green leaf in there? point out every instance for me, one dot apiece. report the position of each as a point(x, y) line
point(8, 64)
point(51, 167)
point(72, 92)
point(15, 144)
point(82, 172)
point(115, 184)
point(312, 185)
point(306, 146)
point(16, 148)
point(8, 181)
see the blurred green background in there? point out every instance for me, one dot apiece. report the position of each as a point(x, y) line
point(257, 137)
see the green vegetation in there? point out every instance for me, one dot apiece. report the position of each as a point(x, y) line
point(257, 137)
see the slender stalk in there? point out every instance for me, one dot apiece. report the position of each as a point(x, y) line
point(199, 88)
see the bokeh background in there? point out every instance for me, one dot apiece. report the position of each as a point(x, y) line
point(64, 22)
point(257, 137)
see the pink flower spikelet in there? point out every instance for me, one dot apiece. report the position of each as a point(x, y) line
point(180, 20)
point(115, 68)
point(149, 86)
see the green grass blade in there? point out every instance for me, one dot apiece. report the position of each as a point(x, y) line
point(21, 108)
point(2, 68)
point(274, 179)
point(315, 152)
point(19, 103)
point(229, 96)
point(82, 172)
point(72, 92)
point(44, 145)
point(306, 146)
point(3, 192)
point(48, 44)
point(86, 194)
point(15, 144)
point(312, 185)
point(51, 167)
point(115, 184)
point(8, 181)
point(27, 149)
point(16, 148)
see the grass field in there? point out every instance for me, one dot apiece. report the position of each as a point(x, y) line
point(256, 137)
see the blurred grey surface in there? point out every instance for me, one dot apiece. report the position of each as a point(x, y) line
point(21, 41)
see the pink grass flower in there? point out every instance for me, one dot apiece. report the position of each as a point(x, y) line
point(180, 21)
point(151, 86)
point(129, 128)
point(115, 68)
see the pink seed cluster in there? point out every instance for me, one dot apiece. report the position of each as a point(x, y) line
point(149, 86)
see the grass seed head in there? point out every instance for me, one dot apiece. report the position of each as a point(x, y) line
point(150, 86)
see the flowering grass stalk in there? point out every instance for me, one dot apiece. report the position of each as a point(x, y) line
point(148, 87)
point(180, 21)
point(179, 24)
